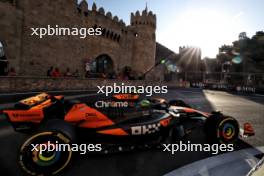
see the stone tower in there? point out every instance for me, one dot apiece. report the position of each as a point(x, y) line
point(144, 29)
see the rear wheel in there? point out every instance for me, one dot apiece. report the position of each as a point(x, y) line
point(47, 152)
point(222, 129)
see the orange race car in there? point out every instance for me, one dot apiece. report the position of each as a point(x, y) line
point(120, 123)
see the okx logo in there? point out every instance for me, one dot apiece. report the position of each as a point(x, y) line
point(145, 129)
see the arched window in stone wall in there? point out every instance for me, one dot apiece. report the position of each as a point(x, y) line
point(2, 52)
point(3, 60)
point(107, 33)
point(118, 38)
point(79, 10)
point(115, 36)
point(103, 31)
point(110, 34)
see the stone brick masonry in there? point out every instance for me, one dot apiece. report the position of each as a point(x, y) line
point(131, 45)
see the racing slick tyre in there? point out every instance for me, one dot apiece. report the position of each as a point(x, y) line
point(59, 125)
point(47, 152)
point(177, 133)
point(221, 129)
point(179, 103)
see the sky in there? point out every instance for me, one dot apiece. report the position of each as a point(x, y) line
point(207, 24)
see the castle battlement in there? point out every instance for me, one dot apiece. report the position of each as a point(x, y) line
point(138, 18)
point(83, 8)
point(144, 18)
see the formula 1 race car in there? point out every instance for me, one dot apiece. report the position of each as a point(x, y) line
point(120, 123)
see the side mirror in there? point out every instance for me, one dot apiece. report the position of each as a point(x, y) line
point(248, 130)
point(53, 98)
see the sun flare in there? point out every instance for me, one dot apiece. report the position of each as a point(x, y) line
point(206, 29)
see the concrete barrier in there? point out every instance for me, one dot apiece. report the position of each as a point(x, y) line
point(28, 84)
point(37, 84)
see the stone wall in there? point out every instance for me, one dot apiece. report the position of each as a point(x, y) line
point(10, 31)
point(127, 45)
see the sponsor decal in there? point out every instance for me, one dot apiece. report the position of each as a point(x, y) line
point(145, 129)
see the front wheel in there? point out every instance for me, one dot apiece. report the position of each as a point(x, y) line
point(46, 153)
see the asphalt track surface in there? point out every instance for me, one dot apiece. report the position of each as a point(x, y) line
point(152, 162)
